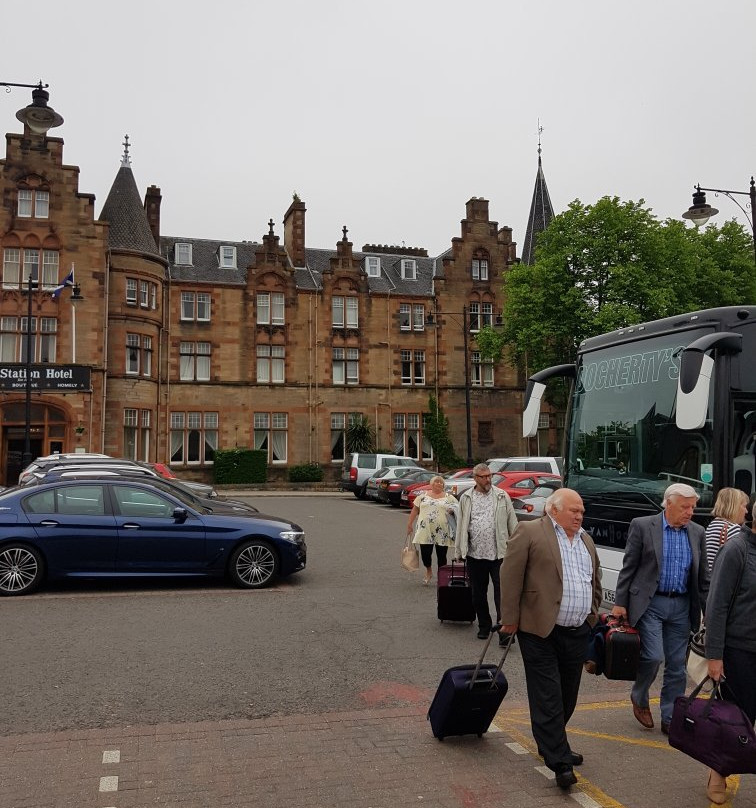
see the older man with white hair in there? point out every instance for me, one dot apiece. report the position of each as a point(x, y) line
point(661, 590)
point(550, 594)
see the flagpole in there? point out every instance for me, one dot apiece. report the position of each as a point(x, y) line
point(73, 318)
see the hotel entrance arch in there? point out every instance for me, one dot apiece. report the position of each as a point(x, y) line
point(48, 435)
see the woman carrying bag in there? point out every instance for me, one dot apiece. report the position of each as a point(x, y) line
point(731, 633)
point(433, 522)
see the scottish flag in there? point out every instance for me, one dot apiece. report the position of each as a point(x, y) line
point(67, 281)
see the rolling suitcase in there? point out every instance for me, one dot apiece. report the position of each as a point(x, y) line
point(468, 697)
point(616, 648)
point(453, 593)
point(622, 650)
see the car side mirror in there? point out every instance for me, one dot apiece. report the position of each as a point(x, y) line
point(180, 515)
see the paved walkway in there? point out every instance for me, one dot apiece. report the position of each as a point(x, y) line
point(373, 758)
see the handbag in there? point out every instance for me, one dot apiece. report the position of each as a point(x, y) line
point(410, 561)
point(697, 665)
point(714, 732)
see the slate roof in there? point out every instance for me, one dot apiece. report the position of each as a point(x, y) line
point(205, 267)
point(124, 211)
point(390, 280)
point(541, 213)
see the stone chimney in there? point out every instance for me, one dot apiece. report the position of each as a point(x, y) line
point(152, 200)
point(294, 232)
point(477, 209)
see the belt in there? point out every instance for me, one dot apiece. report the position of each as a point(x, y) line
point(671, 594)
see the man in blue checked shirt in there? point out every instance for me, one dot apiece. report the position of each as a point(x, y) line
point(661, 590)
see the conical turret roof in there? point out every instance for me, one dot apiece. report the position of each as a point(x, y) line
point(541, 213)
point(124, 211)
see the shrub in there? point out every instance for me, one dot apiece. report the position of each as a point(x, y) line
point(306, 473)
point(240, 466)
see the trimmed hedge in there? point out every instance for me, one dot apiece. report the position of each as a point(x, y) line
point(306, 473)
point(233, 466)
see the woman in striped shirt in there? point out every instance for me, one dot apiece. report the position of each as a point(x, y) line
point(729, 513)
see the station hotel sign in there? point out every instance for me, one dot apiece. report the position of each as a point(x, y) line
point(45, 377)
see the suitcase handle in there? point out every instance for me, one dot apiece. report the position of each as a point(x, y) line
point(494, 630)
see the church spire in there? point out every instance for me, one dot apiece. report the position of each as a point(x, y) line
point(541, 211)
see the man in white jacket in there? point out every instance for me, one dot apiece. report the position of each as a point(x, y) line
point(486, 520)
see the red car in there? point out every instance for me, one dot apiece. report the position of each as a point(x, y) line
point(408, 495)
point(521, 483)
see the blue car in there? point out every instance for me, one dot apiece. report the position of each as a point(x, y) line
point(119, 527)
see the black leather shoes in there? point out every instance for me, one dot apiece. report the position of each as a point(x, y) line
point(565, 778)
point(665, 727)
point(483, 633)
point(504, 639)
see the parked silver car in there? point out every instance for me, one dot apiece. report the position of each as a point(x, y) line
point(532, 506)
point(384, 476)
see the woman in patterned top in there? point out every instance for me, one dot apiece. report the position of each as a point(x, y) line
point(435, 512)
point(729, 513)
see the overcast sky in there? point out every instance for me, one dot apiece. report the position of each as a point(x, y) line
point(388, 116)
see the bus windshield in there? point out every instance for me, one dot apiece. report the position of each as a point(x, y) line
point(623, 444)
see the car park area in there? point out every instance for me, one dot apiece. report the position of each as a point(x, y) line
point(367, 635)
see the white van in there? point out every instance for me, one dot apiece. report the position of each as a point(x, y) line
point(549, 465)
point(359, 466)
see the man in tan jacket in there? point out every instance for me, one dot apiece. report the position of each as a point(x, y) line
point(550, 594)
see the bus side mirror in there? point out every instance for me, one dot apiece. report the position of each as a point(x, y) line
point(533, 395)
point(696, 371)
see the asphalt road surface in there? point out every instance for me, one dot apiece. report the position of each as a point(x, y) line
point(352, 630)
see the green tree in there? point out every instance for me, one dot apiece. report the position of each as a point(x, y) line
point(436, 430)
point(604, 266)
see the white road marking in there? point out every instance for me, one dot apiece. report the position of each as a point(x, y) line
point(109, 783)
point(545, 771)
point(111, 756)
point(584, 799)
point(517, 748)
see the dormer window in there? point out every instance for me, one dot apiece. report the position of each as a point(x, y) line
point(183, 254)
point(227, 256)
point(373, 266)
point(409, 269)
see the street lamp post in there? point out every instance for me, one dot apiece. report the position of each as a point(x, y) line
point(27, 458)
point(38, 118)
point(468, 422)
point(700, 212)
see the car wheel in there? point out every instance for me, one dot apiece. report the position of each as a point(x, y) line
point(361, 492)
point(253, 565)
point(21, 569)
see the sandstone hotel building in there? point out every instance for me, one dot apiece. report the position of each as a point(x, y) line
point(181, 346)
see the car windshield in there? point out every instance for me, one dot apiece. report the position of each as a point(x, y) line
point(543, 491)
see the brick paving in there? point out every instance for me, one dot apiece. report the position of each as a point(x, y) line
point(375, 758)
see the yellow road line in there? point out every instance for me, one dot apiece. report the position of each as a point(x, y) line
point(593, 791)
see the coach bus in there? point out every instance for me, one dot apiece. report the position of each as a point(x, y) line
point(668, 401)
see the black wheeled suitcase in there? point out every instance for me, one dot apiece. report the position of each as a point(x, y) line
point(614, 648)
point(468, 697)
point(621, 650)
point(453, 594)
